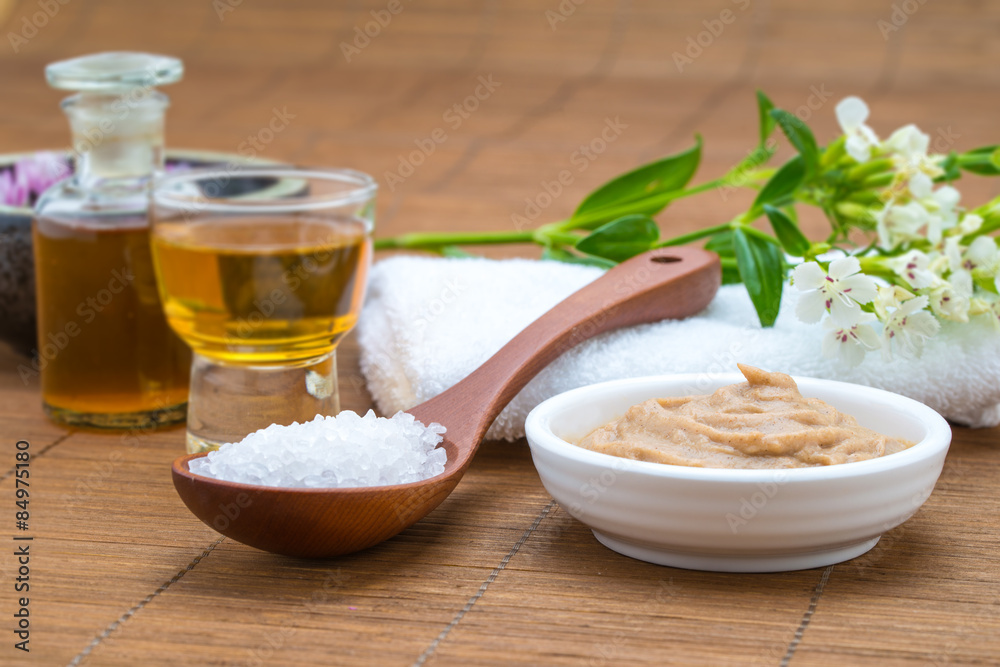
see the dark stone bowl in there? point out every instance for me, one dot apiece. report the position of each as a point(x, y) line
point(17, 264)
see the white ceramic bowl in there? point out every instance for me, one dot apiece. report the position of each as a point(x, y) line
point(736, 520)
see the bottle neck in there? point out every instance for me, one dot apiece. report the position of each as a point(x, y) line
point(117, 138)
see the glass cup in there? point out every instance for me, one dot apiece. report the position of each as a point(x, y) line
point(261, 271)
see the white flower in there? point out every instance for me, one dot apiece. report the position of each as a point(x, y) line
point(909, 142)
point(850, 343)
point(951, 302)
point(908, 326)
point(908, 146)
point(912, 267)
point(889, 296)
point(981, 256)
point(852, 112)
point(941, 204)
point(839, 290)
point(898, 223)
point(970, 224)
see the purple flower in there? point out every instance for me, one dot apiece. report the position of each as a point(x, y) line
point(28, 178)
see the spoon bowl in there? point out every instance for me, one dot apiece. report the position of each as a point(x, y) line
point(312, 523)
point(658, 284)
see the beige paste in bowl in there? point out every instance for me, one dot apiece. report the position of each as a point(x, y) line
point(761, 423)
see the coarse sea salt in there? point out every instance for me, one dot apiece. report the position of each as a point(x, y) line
point(331, 452)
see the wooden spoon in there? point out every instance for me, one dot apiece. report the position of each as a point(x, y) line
point(659, 284)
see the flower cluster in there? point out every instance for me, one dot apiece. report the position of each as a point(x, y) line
point(903, 255)
point(22, 183)
point(933, 260)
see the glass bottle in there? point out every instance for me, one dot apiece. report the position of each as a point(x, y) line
point(106, 355)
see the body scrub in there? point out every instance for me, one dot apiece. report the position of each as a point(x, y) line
point(762, 423)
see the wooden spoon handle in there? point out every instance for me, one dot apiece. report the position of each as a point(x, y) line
point(658, 284)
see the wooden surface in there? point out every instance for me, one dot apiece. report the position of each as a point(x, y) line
point(123, 574)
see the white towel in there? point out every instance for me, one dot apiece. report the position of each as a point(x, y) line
point(429, 322)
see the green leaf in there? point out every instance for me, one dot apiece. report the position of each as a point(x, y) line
point(722, 244)
point(762, 271)
point(562, 255)
point(800, 135)
point(731, 276)
point(622, 238)
point(984, 161)
point(631, 190)
point(792, 239)
point(767, 121)
point(951, 169)
point(782, 185)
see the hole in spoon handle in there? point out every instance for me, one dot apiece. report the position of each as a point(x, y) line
point(658, 284)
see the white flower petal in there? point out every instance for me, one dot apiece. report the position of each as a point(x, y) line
point(809, 275)
point(845, 314)
point(844, 266)
point(851, 353)
point(982, 252)
point(961, 283)
point(911, 306)
point(851, 113)
point(811, 307)
point(970, 223)
point(921, 185)
point(858, 148)
point(868, 134)
point(946, 196)
point(953, 252)
point(868, 337)
point(859, 287)
point(832, 343)
point(922, 324)
point(909, 142)
point(935, 229)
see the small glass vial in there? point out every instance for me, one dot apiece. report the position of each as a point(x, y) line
point(106, 355)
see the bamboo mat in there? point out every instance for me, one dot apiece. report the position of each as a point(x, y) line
point(122, 574)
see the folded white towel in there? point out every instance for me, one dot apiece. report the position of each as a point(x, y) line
point(429, 322)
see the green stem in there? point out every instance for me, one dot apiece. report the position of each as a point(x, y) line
point(753, 231)
point(878, 180)
point(694, 236)
point(548, 238)
point(870, 168)
point(607, 213)
point(876, 266)
point(424, 240)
